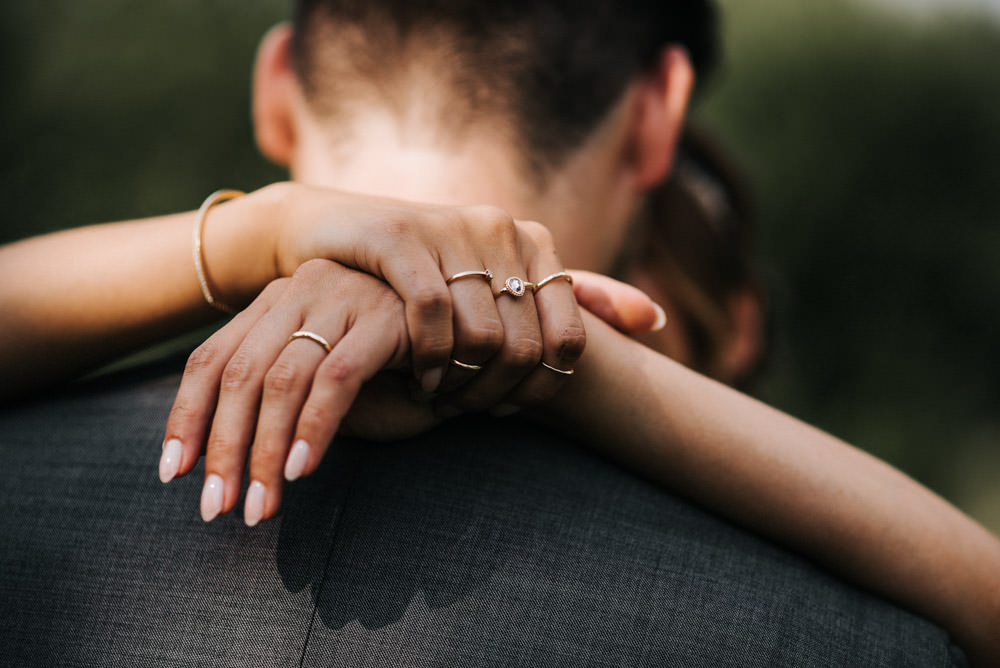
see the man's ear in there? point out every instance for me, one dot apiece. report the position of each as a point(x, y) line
point(662, 97)
point(275, 94)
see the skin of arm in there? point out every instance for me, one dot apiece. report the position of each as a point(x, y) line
point(76, 299)
point(851, 512)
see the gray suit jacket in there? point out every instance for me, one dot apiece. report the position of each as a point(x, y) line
point(487, 543)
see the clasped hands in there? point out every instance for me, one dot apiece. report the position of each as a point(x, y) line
point(391, 346)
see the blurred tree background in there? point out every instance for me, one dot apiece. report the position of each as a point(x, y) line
point(870, 138)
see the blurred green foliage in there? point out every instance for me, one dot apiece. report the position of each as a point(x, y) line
point(871, 141)
point(873, 145)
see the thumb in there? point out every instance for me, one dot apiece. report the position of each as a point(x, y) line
point(624, 307)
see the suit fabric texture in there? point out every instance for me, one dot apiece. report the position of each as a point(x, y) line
point(483, 543)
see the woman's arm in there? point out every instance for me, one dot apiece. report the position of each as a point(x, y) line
point(76, 299)
point(858, 516)
point(73, 300)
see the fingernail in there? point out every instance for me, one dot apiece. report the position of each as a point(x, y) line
point(253, 505)
point(170, 460)
point(503, 410)
point(211, 498)
point(297, 460)
point(661, 318)
point(432, 378)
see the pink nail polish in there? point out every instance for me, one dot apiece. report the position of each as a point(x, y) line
point(211, 498)
point(298, 458)
point(661, 318)
point(253, 505)
point(170, 460)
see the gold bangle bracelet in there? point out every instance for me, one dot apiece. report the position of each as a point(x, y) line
point(217, 197)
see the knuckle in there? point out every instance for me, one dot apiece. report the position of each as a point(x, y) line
point(537, 232)
point(223, 451)
point(239, 372)
point(282, 378)
point(523, 353)
point(182, 413)
point(267, 458)
point(337, 370)
point(399, 231)
point(203, 357)
point(432, 300)
point(498, 220)
point(311, 270)
point(570, 342)
point(273, 290)
point(315, 419)
point(484, 338)
point(432, 348)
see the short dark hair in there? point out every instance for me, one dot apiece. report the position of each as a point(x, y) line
point(552, 68)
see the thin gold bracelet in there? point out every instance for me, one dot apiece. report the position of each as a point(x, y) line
point(217, 197)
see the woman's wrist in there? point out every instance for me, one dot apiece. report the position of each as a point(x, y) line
point(239, 244)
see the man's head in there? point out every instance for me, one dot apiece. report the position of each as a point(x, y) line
point(565, 111)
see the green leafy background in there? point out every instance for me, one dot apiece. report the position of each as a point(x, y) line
point(871, 139)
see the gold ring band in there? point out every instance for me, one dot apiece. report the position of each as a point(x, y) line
point(515, 287)
point(553, 277)
point(312, 336)
point(485, 273)
point(463, 365)
point(552, 368)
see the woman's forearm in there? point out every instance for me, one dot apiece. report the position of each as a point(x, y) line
point(75, 299)
point(855, 514)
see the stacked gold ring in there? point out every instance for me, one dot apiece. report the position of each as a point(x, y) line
point(485, 273)
point(568, 372)
point(312, 336)
point(559, 275)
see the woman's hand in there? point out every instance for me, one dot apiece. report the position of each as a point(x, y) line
point(250, 387)
point(416, 248)
point(390, 395)
point(250, 383)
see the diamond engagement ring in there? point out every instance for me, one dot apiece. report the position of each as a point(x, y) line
point(515, 287)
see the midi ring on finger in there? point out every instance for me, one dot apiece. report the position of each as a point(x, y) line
point(312, 336)
point(485, 273)
point(463, 365)
point(568, 372)
point(553, 277)
point(515, 287)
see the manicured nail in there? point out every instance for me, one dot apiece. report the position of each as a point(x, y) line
point(253, 505)
point(297, 460)
point(661, 318)
point(432, 378)
point(211, 498)
point(170, 460)
point(503, 410)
